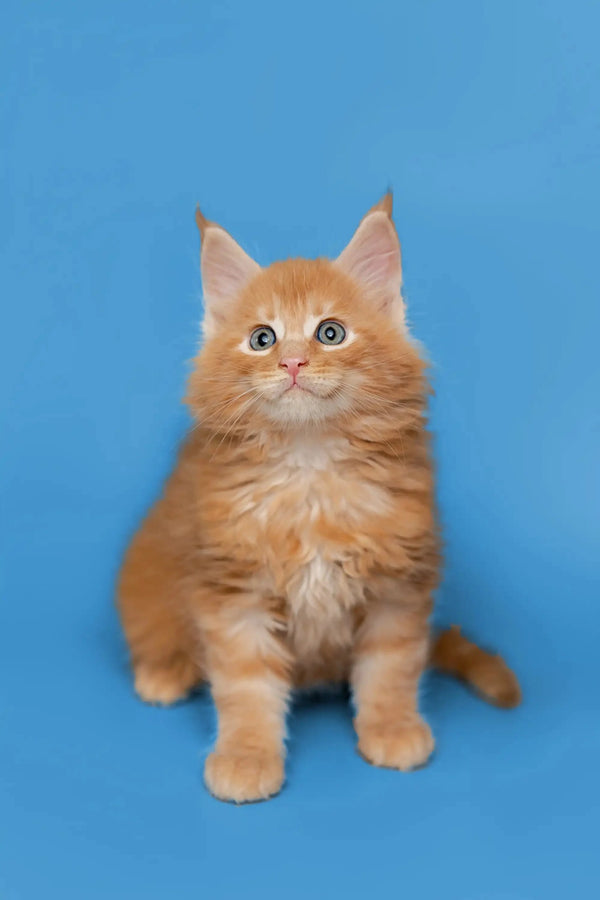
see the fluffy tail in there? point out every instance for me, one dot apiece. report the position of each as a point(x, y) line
point(486, 673)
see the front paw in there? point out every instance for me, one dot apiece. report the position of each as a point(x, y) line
point(394, 746)
point(243, 777)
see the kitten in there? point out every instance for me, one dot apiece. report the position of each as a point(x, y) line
point(296, 541)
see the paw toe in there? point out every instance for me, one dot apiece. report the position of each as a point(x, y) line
point(405, 748)
point(243, 778)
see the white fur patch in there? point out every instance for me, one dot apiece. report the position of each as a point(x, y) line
point(258, 628)
point(310, 325)
point(304, 481)
point(320, 598)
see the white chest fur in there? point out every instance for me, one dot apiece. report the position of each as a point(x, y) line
point(308, 486)
point(320, 599)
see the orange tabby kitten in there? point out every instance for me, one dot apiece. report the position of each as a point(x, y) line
point(296, 541)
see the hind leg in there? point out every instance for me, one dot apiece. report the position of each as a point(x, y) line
point(163, 642)
point(166, 682)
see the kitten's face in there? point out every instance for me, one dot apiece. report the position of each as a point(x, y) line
point(302, 342)
point(297, 347)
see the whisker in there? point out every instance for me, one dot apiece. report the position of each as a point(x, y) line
point(245, 407)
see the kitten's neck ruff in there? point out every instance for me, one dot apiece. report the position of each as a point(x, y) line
point(317, 450)
point(320, 446)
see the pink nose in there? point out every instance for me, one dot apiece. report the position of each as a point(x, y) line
point(292, 364)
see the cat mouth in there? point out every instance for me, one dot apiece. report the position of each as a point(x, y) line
point(295, 391)
point(319, 391)
point(300, 387)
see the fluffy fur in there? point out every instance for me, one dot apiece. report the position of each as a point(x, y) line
point(296, 541)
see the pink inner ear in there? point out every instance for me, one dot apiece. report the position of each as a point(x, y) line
point(226, 269)
point(373, 254)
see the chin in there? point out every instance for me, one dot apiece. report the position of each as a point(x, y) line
point(301, 407)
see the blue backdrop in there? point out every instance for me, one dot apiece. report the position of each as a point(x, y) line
point(287, 122)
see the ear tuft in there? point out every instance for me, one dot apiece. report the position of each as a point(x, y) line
point(386, 204)
point(201, 221)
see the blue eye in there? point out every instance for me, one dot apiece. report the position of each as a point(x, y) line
point(330, 332)
point(262, 337)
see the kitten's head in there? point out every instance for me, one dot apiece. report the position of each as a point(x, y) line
point(303, 342)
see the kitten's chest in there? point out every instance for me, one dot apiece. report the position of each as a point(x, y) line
point(312, 512)
point(311, 500)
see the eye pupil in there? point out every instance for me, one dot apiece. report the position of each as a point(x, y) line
point(330, 333)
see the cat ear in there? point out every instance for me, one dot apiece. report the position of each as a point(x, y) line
point(226, 269)
point(373, 258)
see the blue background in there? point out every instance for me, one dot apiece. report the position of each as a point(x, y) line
point(287, 122)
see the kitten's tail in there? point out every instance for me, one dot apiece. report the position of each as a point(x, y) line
point(486, 673)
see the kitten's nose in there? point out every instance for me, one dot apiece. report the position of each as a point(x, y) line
point(292, 364)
